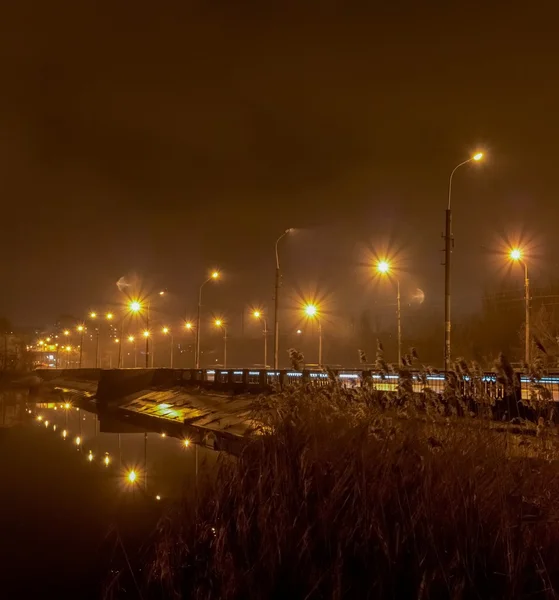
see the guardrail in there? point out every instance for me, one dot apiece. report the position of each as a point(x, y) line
point(119, 382)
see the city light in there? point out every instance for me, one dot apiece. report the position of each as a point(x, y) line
point(46, 423)
point(135, 306)
point(145, 333)
point(186, 443)
point(516, 254)
point(130, 338)
point(215, 275)
point(90, 456)
point(188, 325)
point(131, 476)
point(93, 315)
point(78, 441)
point(478, 156)
point(256, 314)
point(158, 497)
point(383, 267)
point(39, 418)
point(66, 332)
point(107, 460)
point(67, 405)
point(218, 322)
point(64, 434)
point(311, 310)
point(165, 330)
point(80, 328)
point(109, 316)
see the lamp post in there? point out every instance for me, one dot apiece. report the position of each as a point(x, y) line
point(447, 261)
point(258, 315)
point(167, 331)
point(517, 256)
point(276, 300)
point(131, 338)
point(81, 329)
point(311, 311)
point(146, 337)
point(221, 324)
point(66, 334)
point(213, 276)
point(383, 267)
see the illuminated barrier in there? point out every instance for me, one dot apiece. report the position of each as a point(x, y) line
point(108, 385)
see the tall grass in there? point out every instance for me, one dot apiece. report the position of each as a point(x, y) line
point(344, 496)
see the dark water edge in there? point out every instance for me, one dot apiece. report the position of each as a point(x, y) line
point(70, 528)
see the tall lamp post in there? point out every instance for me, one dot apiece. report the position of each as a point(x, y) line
point(258, 315)
point(81, 329)
point(448, 244)
point(221, 324)
point(212, 277)
point(167, 331)
point(516, 256)
point(276, 300)
point(383, 267)
point(311, 311)
point(132, 339)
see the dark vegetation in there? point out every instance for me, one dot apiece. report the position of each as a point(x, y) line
point(362, 494)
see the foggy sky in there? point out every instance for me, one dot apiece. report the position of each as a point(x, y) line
point(168, 138)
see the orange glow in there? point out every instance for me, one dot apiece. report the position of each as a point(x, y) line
point(515, 254)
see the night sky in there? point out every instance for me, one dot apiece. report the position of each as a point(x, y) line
point(164, 139)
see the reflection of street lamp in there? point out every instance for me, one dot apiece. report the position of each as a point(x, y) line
point(383, 267)
point(447, 257)
point(167, 331)
point(213, 277)
point(221, 324)
point(276, 300)
point(258, 315)
point(517, 256)
point(311, 310)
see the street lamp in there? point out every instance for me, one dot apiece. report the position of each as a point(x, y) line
point(259, 315)
point(167, 331)
point(81, 329)
point(311, 310)
point(383, 267)
point(276, 299)
point(447, 261)
point(213, 277)
point(136, 307)
point(132, 339)
point(221, 324)
point(516, 255)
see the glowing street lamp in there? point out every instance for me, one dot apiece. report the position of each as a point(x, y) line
point(383, 267)
point(447, 261)
point(311, 311)
point(276, 299)
point(131, 477)
point(260, 316)
point(135, 306)
point(221, 324)
point(516, 255)
point(214, 276)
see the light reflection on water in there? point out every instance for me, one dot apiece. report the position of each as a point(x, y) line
point(170, 463)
